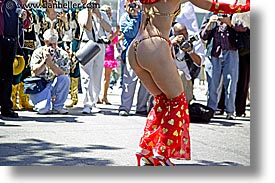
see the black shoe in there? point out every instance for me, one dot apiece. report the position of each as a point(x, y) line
point(240, 114)
point(9, 114)
point(219, 112)
point(142, 113)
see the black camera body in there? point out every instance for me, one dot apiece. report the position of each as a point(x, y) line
point(185, 44)
point(103, 40)
point(223, 15)
point(132, 5)
point(92, 5)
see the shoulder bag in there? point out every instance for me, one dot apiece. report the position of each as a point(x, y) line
point(34, 85)
point(88, 51)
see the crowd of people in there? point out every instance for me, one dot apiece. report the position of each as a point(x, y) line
point(52, 38)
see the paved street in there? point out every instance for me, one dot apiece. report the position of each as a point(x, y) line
point(106, 139)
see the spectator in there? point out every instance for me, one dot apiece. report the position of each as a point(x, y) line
point(225, 61)
point(192, 52)
point(209, 67)
point(93, 26)
point(109, 62)
point(31, 41)
point(129, 23)
point(12, 21)
point(117, 73)
point(243, 42)
point(51, 63)
point(52, 18)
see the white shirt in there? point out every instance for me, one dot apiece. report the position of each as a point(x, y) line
point(182, 66)
point(98, 29)
point(187, 17)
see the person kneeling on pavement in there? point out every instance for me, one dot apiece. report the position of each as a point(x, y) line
point(51, 63)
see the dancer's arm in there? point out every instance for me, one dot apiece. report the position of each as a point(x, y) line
point(224, 8)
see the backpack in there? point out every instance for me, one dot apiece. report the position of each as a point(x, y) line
point(200, 113)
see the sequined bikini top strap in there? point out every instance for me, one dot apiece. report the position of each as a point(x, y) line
point(151, 14)
point(176, 13)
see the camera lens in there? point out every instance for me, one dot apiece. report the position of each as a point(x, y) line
point(51, 51)
point(184, 44)
point(132, 5)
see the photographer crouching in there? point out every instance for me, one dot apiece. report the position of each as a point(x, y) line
point(51, 64)
point(188, 56)
point(13, 18)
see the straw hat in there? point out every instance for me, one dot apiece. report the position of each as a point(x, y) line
point(18, 64)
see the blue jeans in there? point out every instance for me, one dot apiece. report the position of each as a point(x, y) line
point(58, 88)
point(226, 68)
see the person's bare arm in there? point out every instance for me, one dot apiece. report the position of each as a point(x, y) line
point(106, 26)
point(225, 8)
point(88, 25)
point(112, 36)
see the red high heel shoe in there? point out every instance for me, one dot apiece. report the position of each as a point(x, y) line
point(162, 162)
point(148, 159)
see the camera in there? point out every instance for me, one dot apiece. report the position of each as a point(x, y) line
point(103, 40)
point(185, 44)
point(132, 5)
point(92, 5)
point(223, 15)
point(51, 51)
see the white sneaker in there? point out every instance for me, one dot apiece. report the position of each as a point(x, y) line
point(86, 110)
point(230, 117)
point(61, 111)
point(96, 110)
point(44, 112)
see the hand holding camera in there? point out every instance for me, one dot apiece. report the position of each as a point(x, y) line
point(51, 51)
point(48, 54)
point(213, 19)
point(177, 39)
point(133, 8)
point(93, 5)
point(187, 45)
point(225, 19)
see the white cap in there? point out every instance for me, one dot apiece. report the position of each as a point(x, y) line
point(51, 35)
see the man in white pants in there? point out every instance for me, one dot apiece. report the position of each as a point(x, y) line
point(93, 24)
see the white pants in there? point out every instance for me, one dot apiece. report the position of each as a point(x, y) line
point(91, 76)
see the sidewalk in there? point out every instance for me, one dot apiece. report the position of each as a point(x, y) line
point(106, 139)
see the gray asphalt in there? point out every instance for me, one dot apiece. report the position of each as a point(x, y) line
point(106, 139)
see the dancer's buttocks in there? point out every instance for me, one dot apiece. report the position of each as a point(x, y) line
point(150, 52)
point(146, 50)
point(153, 54)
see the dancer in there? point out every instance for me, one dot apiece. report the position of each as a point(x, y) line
point(166, 134)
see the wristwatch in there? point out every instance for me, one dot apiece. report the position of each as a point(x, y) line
point(190, 52)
